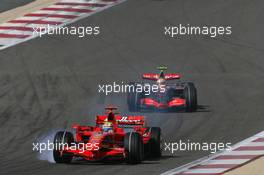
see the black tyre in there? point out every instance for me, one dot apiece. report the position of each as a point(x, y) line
point(190, 95)
point(62, 138)
point(134, 147)
point(133, 101)
point(155, 142)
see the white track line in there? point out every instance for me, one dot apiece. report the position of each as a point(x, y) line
point(233, 158)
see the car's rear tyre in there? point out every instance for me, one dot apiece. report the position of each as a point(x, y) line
point(133, 101)
point(190, 95)
point(134, 147)
point(62, 138)
point(155, 142)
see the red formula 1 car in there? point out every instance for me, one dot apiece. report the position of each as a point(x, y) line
point(113, 137)
point(173, 96)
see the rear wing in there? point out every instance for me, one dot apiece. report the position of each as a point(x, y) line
point(172, 76)
point(123, 120)
point(157, 76)
point(150, 76)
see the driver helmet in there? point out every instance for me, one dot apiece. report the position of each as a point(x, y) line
point(161, 83)
point(107, 126)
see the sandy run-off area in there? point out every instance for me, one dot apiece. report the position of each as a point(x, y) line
point(253, 168)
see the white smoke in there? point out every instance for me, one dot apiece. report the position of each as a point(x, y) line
point(46, 154)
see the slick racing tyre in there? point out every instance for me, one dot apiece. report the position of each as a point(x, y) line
point(133, 101)
point(155, 142)
point(62, 138)
point(134, 147)
point(190, 95)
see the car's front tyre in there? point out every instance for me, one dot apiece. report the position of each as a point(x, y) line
point(155, 142)
point(190, 95)
point(62, 139)
point(134, 147)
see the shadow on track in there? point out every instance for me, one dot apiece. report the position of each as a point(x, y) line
point(120, 162)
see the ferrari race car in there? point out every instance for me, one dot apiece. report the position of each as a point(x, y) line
point(171, 96)
point(113, 137)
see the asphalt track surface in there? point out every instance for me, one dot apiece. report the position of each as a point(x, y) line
point(10, 4)
point(49, 83)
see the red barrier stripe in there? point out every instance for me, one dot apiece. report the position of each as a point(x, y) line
point(68, 10)
point(51, 15)
point(215, 166)
point(16, 28)
point(81, 4)
point(236, 157)
point(3, 35)
point(35, 22)
point(250, 148)
point(259, 140)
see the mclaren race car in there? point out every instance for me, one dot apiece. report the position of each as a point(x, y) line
point(171, 96)
point(113, 137)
